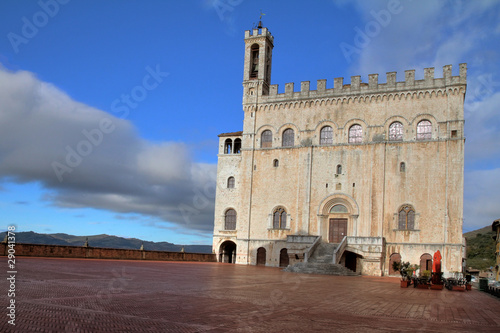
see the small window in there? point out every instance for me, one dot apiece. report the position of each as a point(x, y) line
point(230, 182)
point(402, 167)
point(355, 134)
point(339, 169)
point(326, 136)
point(406, 218)
point(288, 138)
point(454, 133)
point(266, 139)
point(230, 220)
point(276, 163)
point(228, 146)
point(424, 130)
point(279, 219)
point(396, 131)
point(237, 146)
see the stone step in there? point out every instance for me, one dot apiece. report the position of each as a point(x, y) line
point(320, 268)
point(323, 253)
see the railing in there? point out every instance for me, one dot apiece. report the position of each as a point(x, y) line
point(311, 249)
point(337, 254)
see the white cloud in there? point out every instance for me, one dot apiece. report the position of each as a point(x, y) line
point(85, 157)
point(434, 34)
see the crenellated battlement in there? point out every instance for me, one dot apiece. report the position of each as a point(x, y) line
point(373, 86)
point(258, 33)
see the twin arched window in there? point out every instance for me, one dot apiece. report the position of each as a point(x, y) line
point(279, 218)
point(232, 148)
point(288, 138)
point(230, 220)
point(406, 218)
point(424, 131)
point(326, 136)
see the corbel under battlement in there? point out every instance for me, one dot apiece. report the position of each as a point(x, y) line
point(373, 86)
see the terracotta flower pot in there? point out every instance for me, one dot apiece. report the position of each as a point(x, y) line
point(437, 287)
point(405, 284)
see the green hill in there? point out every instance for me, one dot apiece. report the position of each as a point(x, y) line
point(480, 248)
point(104, 240)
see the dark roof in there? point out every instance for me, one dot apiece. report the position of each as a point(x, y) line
point(240, 133)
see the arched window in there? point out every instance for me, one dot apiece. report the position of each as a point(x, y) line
point(406, 218)
point(355, 134)
point(230, 220)
point(424, 130)
point(339, 169)
point(279, 219)
point(339, 209)
point(228, 144)
point(237, 146)
point(402, 167)
point(230, 182)
point(266, 139)
point(276, 163)
point(254, 62)
point(326, 136)
point(396, 131)
point(288, 138)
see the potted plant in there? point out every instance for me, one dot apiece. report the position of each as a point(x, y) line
point(423, 281)
point(406, 271)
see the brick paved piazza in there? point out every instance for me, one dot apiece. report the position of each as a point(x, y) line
point(70, 295)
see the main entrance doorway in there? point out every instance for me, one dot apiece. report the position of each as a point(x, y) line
point(337, 230)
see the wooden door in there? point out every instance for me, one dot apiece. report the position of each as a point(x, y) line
point(337, 231)
point(261, 256)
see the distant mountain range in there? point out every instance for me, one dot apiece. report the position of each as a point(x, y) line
point(480, 245)
point(104, 240)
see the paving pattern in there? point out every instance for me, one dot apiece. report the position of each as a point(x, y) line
point(81, 295)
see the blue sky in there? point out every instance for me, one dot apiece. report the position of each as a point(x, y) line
point(142, 89)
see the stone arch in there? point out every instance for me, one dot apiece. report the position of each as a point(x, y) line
point(425, 116)
point(392, 119)
point(339, 198)
point(395, 257)
point(425, 262)
point(261, 256)
point(334, 226)
point(283, 127)
point(284, 259)
point(227, 252)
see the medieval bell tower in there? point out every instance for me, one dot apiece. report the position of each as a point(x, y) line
point(258, 58)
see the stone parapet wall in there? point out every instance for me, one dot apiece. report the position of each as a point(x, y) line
point(63, 251)
point(373, 87)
